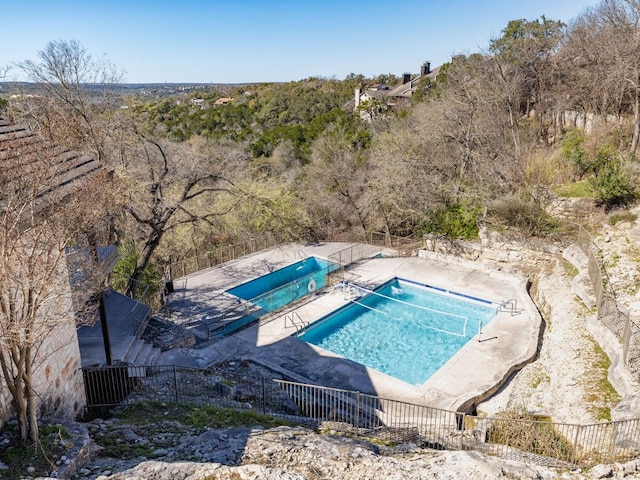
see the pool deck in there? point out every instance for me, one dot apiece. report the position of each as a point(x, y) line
point(477, 370)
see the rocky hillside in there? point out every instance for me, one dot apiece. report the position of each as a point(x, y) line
point(293, 453)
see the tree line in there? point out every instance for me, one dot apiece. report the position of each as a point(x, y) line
point(294, 158)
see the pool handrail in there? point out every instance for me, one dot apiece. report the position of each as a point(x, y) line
point(291, 316)
point(512, 302)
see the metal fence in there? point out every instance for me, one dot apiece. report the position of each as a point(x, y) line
point(402, 245)
point(221, 254)
point(349, 256)
point(369, 417)
point(226, 253)
point(247, 311)
point(610, 313)
point(370, 247)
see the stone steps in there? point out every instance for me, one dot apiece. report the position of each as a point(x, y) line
point(141, 353)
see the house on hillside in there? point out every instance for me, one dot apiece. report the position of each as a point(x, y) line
point(377, 99)
point(55, 177)
point(198, 102)
point(222, 101)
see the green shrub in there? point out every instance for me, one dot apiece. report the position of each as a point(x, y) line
point(573, 150)
point(454, 221)
point(125, 266)
point(612, 186)
point(620, 217)
point(579, 189)
point(524, 213)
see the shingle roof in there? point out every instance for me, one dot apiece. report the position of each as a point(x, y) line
point(22, 153)
point(406, 89)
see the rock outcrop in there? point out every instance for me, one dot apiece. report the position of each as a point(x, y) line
point(291, 453)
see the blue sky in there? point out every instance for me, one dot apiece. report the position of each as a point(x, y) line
point(234, 41)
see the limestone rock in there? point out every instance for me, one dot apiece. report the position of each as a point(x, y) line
point(627, 409)
point(581, 284)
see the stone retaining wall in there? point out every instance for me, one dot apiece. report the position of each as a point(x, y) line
point(509, 253)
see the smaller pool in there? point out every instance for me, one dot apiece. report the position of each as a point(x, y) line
point(403, 329)
point(281, 287)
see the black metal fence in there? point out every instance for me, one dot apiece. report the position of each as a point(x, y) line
point(369, 417)
point(610, 312)
point(220, 254)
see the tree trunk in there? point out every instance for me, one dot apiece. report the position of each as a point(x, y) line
point(32, 414)
point(141, 264)
point(21, 412)
point(18, 393)
point(636, 122)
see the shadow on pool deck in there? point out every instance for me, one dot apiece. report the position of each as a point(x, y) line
point(478, 369)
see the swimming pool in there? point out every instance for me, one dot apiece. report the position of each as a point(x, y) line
point(281, 287)
point(402, 329)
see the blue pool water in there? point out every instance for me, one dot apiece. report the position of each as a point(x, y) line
point(401, 329)
point(283, 286)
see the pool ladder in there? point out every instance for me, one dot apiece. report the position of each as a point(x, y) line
point(296, 320)
point(511, 305)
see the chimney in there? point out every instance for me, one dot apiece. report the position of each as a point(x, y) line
point(425, 69)
point(357, 97)
point(406, 78)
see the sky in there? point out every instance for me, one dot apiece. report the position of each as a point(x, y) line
point(248, 41)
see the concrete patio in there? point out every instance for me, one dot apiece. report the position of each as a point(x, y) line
point(477, 370)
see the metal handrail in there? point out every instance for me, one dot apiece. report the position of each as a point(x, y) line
point(291, 317)
point(514, 306)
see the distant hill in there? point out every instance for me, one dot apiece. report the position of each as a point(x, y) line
point(153, 89)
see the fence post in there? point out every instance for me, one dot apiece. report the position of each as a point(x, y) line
point(460, 425)
point(575, 444)
point(264, 398)
point(356, 422)
point(626, 337)
point(175, 382)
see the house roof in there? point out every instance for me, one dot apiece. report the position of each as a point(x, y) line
point(406, 89)
point(377, 94)
point(22, 152)
point(223, 101)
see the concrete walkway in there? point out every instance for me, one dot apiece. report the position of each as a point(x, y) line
point(477, 370)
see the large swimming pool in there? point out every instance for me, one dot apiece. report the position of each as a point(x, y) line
point(281, 287)
point(403, 329)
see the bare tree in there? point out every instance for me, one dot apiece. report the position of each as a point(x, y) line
point(4, 70)
point(523, 59)
point(48, 201)
point(602, 61)
point(335, 189)
point(404, 167)
point(78, 100)
point(460, 148)
point(171, 185)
